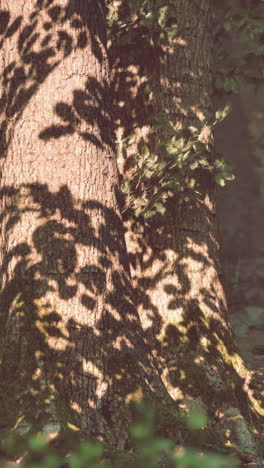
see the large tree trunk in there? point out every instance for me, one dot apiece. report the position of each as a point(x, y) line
point(176, 270)
point(72, 346)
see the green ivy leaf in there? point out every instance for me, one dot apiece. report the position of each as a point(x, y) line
point(160, 208)
point(144, 151)
point(193, 165)
point(191, 182)
point(163, 15)
point(220, 180)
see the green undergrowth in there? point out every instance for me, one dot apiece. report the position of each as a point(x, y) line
point(148, 449)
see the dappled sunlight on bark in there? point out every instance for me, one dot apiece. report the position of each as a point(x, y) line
point(80, 339)
point(72, 347)
point(175, 262)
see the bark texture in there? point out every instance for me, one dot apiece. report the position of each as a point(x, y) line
point(176, 272)
point(72, 346)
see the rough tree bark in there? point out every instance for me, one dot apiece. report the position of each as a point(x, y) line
point(176, 271)
point(72, 347)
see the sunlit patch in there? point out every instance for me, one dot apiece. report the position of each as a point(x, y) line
point(199, 359)
point(136, 396)
point(179, 40)
point(60, 376)
point(219, 414)
point(199, 114)
point(91, 403)
point(180, 452)
point(89, 367)
point(76, 407)
point(122, 341)
point(63, 235)
point(204, 342)
point(175, 392)
point(182, 374)
point(37, 374)
point(58, 345)
point(39, 354)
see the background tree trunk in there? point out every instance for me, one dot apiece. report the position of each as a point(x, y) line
point(176, 270)
point(72, 346)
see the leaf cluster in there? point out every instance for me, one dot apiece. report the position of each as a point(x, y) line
point(172, 169)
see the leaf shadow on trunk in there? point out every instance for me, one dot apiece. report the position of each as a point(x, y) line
point(72, 348)
point(51, 359)
point(54, 358)
point(42, 45)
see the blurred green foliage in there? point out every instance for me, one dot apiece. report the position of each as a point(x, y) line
point(149, 451)
point(238, 35)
